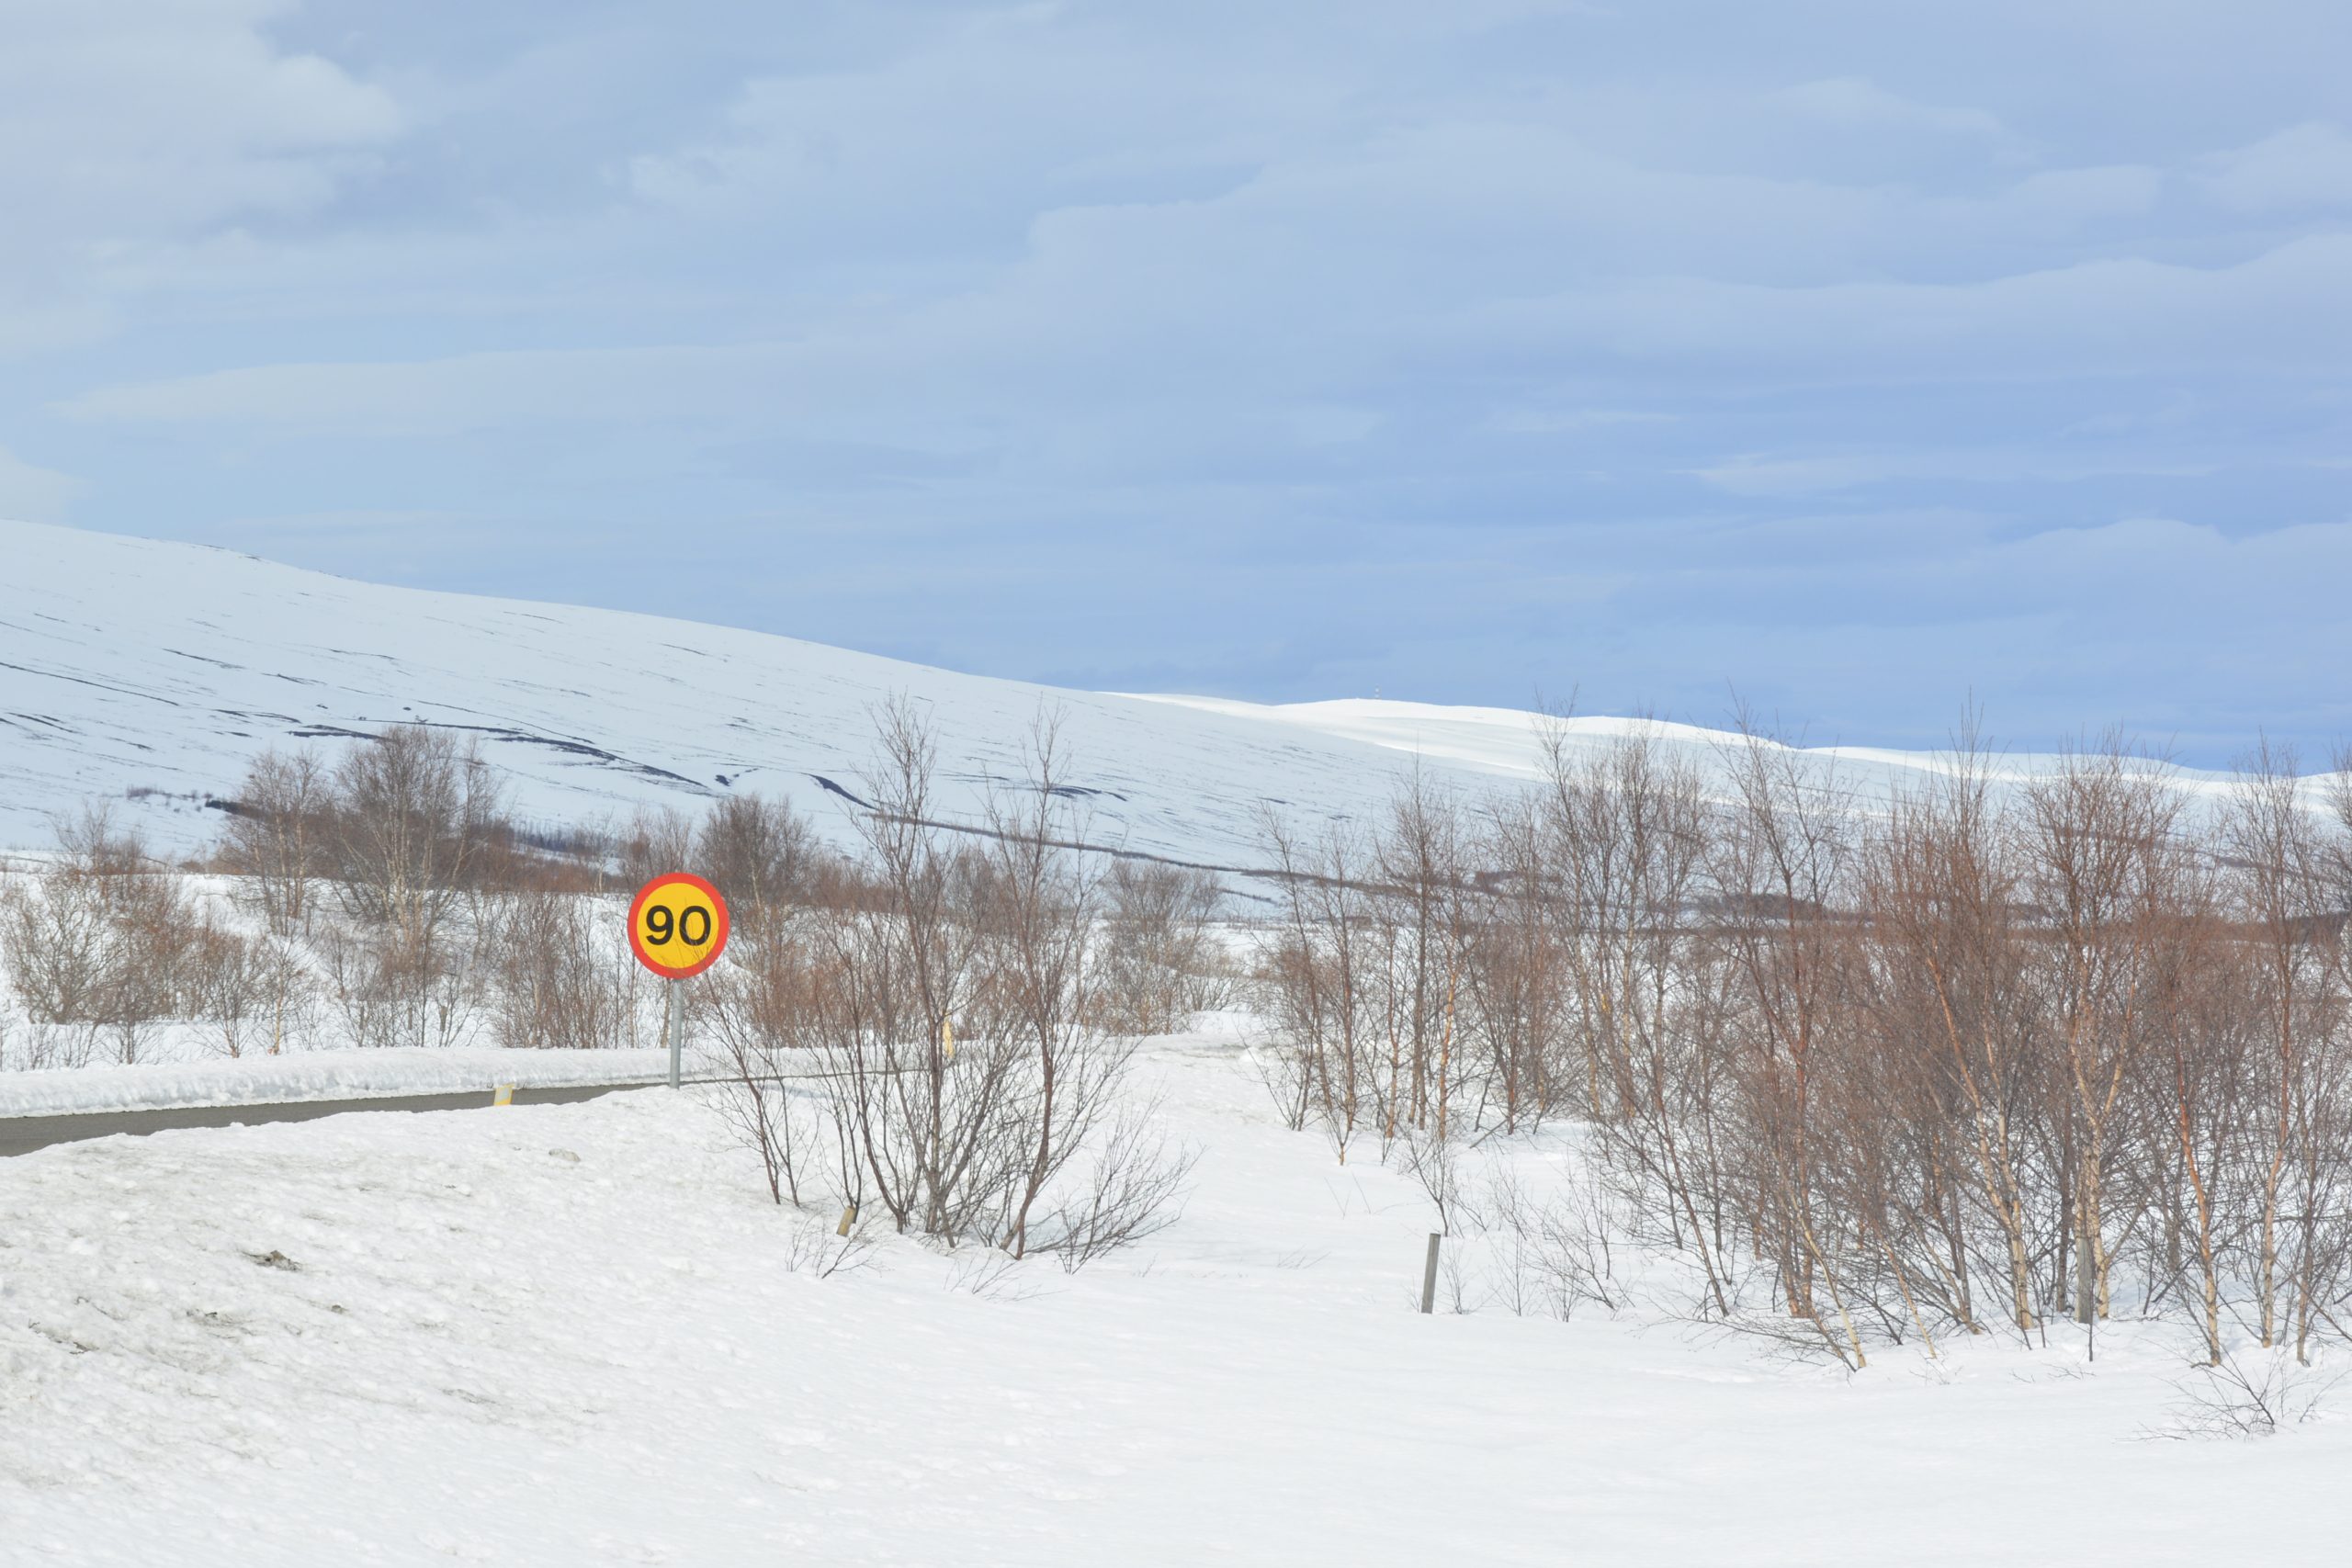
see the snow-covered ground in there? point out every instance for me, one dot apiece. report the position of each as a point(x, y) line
point(573, 1335)
point(129, 665)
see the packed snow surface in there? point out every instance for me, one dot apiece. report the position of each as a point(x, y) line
point(129, 665)
point(574, 1334)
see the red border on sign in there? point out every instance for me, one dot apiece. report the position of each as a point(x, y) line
point(717, 938)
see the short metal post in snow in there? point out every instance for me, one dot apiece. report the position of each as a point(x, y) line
point(1429, 1275)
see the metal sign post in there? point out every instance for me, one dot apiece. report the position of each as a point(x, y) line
point(677, 928)
point(677, 1028)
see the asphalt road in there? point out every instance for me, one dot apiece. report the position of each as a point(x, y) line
point(21, 1134)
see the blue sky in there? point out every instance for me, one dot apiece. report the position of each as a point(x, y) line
point(1855, 356)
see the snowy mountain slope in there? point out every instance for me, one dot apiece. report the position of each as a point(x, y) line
point(133, 665)
point(128, 664)
point(1511, 742)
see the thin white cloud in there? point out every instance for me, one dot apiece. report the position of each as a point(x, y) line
point(2280, 309)
point(32, 494)
point(2112, 190)
point(440, 396)
point(145, 122)
point(2305, 166)
point(1856, 103)
point(1777, 475)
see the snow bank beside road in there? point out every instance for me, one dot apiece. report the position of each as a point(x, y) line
point(314, 1074)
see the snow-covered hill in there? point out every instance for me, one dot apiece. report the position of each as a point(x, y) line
point(130, 665)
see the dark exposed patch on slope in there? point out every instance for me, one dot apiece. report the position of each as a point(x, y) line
point(1082, 791)
point(98, 685)
point(831, 787)
point(565, 744)
point(200, 659)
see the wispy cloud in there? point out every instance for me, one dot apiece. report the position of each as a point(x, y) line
point(33, 494)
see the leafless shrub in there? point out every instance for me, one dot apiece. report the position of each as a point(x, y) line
point(416, 824)
point(105, 937)
point(1158, 962)
point(559, 978)
point(937, 1005)
point(1954, 1063)
point(256, 992)
point(1131, 1191)
point(766, 1014)
point(1319, 965)
point(1287, 1075)
point(55, 936)
point(1625, 835)
point(56, 1046)
point(1434, 1164)
point(1362, 972)
point(388, 995)
point(952, 1025)
point(2250, 1393)
point(758, 852)
point(656, 842)
point(415, 835)
point(991, 1275)
point(275, 843)
point(1557, 1253)
point(1517, 1011)
point(811, 1248)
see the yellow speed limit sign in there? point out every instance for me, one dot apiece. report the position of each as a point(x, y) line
point(677, 927)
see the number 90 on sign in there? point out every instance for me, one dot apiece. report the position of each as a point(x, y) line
point(677, 927)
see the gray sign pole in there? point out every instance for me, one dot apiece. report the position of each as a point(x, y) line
point(1429, 1274)
point(677, 1027)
